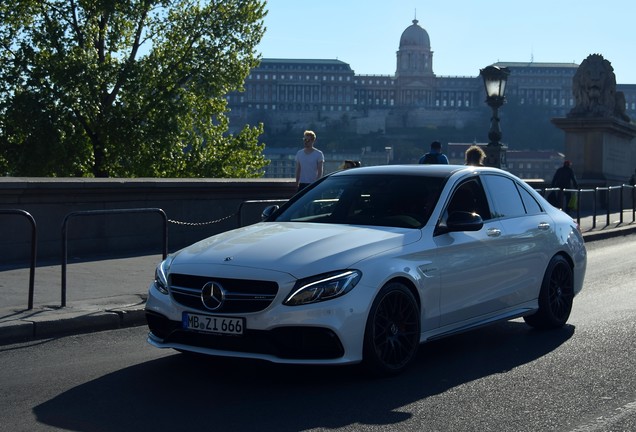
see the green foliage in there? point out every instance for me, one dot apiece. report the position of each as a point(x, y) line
point(126, 88)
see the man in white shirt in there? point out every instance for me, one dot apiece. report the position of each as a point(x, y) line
point(309, 162)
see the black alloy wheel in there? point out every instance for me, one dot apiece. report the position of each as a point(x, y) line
point(556, 296)
point(392, 333)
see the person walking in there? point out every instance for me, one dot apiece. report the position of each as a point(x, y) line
point(564, 178)
point(309, 162)
point(475, 156)
point(435, 155)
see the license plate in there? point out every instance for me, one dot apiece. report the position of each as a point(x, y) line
point(213, 324)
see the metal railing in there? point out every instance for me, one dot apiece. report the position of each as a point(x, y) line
point(588, 200)
point(603, 197)
point(104, 212)
point(34, 237)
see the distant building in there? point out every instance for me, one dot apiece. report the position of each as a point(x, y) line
point(290, 94)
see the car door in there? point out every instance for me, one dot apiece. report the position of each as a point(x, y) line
point(527, 235)
point(472, 264)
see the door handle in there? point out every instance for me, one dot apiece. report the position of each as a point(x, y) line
point(544, 226)
point(493, 232)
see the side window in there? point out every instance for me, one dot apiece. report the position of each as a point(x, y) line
point(470, 197)
point(531, 204)
point(505, 196)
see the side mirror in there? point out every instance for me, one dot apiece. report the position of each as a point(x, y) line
point(268, 212)
point(464, 221)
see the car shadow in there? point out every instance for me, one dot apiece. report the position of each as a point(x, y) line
point(182, 392)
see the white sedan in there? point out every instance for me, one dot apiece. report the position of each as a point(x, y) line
point(366, 264)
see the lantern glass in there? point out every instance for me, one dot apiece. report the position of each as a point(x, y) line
point(495, 80)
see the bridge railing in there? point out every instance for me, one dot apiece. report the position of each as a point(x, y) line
point(597, 202)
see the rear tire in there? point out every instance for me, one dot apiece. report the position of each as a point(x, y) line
point(392, 333)
point(556, 296)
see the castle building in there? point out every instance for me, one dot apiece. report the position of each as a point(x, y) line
point(293, 93)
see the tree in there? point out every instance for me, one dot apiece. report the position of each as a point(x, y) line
point(126, 88)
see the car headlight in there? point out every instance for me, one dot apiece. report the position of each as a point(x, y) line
point(323, 287)
point(161, 275)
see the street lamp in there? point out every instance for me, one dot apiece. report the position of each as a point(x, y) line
point(495, 83)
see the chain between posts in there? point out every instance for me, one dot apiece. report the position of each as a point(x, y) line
point(177, 222)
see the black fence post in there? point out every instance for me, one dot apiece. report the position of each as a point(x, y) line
point(104, 212)
point(34, 246)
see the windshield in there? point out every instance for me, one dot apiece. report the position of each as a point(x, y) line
point(382, 200)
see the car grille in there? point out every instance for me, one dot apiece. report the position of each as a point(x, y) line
point(242, 295)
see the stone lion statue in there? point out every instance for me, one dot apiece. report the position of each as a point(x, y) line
point(594, 89)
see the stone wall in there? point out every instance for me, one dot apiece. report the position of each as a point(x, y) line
point(196, 208)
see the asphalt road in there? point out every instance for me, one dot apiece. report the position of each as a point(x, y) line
point(506, 377)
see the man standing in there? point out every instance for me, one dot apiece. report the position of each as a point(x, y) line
point(564, 178)
point(435, 156)
point(309, 162)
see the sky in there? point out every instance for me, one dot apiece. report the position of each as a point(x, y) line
point(465, 35)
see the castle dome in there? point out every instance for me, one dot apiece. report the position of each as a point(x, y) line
point(415, 36)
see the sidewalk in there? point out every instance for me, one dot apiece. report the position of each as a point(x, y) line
point(111, 293)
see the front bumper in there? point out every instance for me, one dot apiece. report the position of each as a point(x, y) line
point(284, 343)
point(329, 332)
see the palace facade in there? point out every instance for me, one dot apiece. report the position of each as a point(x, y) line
point(289, 94)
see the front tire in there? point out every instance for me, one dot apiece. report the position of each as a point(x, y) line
point(556, 296)
point(392, 333)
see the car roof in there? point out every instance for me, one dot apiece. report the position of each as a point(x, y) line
point(433, 170)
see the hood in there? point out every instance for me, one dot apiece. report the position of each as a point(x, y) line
point(299, 249)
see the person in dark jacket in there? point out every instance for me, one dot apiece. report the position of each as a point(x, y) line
point(564, 178)
point(435, 156)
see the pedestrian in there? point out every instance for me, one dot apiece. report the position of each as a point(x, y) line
point(475, 156)
point(309, 162)
point(632, 179)
point(435, 156)
point(564, 178)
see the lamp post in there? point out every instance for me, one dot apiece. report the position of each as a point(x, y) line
point(495, 83)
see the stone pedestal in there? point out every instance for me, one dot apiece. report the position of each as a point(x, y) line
point(601, 149)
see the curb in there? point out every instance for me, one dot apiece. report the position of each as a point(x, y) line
point(605, 233)
point(47, 322)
